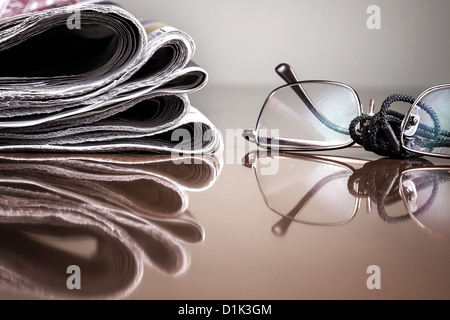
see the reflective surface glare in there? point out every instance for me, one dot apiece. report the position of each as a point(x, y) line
point(288, 120)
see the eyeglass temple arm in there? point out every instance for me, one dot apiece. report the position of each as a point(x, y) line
point(287, 74)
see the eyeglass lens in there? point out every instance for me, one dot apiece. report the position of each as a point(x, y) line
point(426, 128)
point(287, 119)
point(298, 188)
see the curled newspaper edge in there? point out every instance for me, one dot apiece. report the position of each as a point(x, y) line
point(91, 77)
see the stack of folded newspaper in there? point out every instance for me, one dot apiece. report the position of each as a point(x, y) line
point(91, 77)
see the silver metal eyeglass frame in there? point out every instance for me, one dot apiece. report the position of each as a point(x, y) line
point(291, 145)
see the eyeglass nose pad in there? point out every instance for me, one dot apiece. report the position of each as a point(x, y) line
point(249, 159)
point(370, 112)
point(249, 135)
point(286, 73)
point(410, 195)
point(412, 122)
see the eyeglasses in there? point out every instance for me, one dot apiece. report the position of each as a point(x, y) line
point(322, 115)
point(402, 189)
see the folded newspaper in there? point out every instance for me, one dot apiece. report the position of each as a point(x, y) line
point(91, 77)
point(128, 210)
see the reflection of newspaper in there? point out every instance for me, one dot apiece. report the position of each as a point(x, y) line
point(95, 69)
point(130, 210)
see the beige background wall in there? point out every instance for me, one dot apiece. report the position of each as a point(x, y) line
point(241, 41)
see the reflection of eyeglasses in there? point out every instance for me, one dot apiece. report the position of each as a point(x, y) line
point(327, 191)
point(317, 115)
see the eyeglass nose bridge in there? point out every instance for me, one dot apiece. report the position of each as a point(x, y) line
point(370, 112)
point(390, 135)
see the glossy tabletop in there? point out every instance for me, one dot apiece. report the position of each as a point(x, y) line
point(241, 225)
